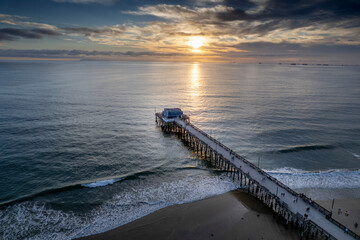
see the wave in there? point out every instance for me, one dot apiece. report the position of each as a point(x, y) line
point(356, 155)
point(304, 148)
point(136, 200)
point(328, 179)
point(36, 220)
point(89, 184)
point(39, 194)
point(191, 168)
point(102, 183)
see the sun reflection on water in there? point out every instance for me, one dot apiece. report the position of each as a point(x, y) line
point(195, 79)
point(195, 88)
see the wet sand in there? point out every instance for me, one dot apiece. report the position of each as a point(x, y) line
point(352, 206)
point(347, 199)
point(233, 215)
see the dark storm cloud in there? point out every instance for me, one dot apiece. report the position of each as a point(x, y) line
point(11, 34)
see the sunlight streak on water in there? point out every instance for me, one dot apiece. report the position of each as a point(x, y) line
point(70, 131)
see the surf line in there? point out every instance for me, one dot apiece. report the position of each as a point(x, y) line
point(297, 209)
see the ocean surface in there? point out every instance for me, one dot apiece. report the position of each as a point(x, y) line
point(80, 152)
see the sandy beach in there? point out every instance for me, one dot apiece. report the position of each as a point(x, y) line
point(351, 206)
point(347, 199)
point(233, 215)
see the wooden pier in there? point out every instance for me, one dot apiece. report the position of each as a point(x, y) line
point(296, 210)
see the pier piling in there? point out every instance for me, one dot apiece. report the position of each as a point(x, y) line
point(260, 184)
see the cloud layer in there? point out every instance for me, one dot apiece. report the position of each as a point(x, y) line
point(106, 2)
point(227, 27)
point(11, 34)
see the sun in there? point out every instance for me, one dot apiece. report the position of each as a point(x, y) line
point(196, 42)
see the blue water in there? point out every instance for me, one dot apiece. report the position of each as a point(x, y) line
point(80, 152)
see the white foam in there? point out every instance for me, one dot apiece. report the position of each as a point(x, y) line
point(356, 155)
point(286, 170)
point(329, 179)
point(102, 183)
point(139, 198)
point(137, 202)
point(32, 220)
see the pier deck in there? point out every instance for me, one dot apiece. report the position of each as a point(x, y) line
point(316, 215)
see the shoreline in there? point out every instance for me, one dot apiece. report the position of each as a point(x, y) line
point(232, 215)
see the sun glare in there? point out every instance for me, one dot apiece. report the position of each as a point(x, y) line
point(195, 42)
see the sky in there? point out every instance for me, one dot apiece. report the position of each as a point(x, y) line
point(268, 31)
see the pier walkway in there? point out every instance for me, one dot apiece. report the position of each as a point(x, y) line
point(313, 218)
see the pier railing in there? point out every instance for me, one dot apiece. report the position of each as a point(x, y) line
point(168, 124)
point(315, 205)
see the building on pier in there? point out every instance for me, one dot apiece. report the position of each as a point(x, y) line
point(317, 224)
point(172, 112)
point(169, 115)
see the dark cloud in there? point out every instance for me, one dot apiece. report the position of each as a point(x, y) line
point(235, 14)
point(243, 4)
point(295, 9)
point(45, 53)
point(44, 31)
point(95, 31)
point(6, 37)
point(289, 28)
point(259, 17)
point(105, 2)
point(281, 15)
point(11, 34)
point(330, 8)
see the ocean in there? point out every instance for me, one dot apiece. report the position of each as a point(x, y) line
point(80, 152)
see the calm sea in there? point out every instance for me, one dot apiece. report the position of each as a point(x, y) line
point(80, 152)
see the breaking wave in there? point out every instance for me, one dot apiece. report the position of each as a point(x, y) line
point(102, 183)
point(91, 184)
point(34, 220)
point(329, 179)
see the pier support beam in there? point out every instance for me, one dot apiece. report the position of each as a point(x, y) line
point(253, 184)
